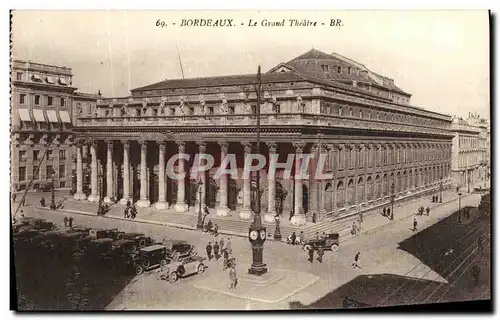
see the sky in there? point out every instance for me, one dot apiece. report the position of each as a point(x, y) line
point(440, 57)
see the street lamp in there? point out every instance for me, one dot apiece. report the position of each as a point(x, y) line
point(257, 232)
point(392, 201)
point(199, 224)
point(459, 206)
point(52, 196)
point(441, 191)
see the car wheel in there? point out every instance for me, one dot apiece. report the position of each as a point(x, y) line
point(160, 275)
point(119, 236)
point(163, 263)
point(307, 247)
point(173, 277)
point(146, 263)
point(138, 270)
point(335, 247)
point(134, 249)
point(176, 256)
point(201, 268)
point(142, 243)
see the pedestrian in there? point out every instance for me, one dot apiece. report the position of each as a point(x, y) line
point(13, 197)
point(128, 203)
point(317, 235)
point(65, 222)
point(314, 217)
point(22, 213)
point(415, 224)
point(321, 252)
point(311, 254)
point(209, 226)
point(291, 215)
point(353, 228)
point(221, 244)
point(355, 263)
point(232, 278)
point(302, 238)
point(216, 230)
point(323, 236)
point(226, 255)
point(216, 250)
point(70, 222)
point(228, 246)
point(207, 212)
point(475, 274)
point(125, 212)
point(209, 251)
point(293, 237)
point(42, 202)
point(384, 211)
point(388, 212)
point(203, 222)
point(23, 202)
point(428, 210)
point(458, 189)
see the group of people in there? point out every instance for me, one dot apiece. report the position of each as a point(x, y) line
point(293, 239)
point(102, 208)
point(53, 206)
point(68, 222)
point(435, 198)
point(320, 253)
point(421, 210)
point(218, 248)
point(386, 212)
point(209, 227)
point(130, 211)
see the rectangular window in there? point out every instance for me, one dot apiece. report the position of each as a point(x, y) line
point(36, 155)
point(22, 173)
point(22, 98)
point(19, 76)
point(37, 99)
point(49, 155)
point(22, 155)
point(172, 112)
point(49, 172)
point(62, 154)
point(62, 171)
point(62, 184)
point(49, 101)
point(278, 108)
point(63, 101)
point(36, 173)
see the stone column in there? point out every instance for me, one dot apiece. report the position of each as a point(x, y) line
point(162, 203)
point(181, 205)
point(79, 195)
point(322, 193)
point(246, 213)
point(126, 172)
point(202, 148)
point(271, 183)
point(299, 218)
point(144, 201)
point(94, 196)
point(109, 172)
point(223, 209)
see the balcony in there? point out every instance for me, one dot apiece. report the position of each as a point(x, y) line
point(267, 119)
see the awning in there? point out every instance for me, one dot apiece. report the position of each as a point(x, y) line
point(64, 116)
point(38, 115)
point(62, 81)
point(49, 79)
point(24, 114)
point(36, 77)
point(51, 114)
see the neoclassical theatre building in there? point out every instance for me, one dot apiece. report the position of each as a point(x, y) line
point(376, 144)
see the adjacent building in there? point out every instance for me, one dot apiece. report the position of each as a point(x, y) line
point(41, 125)
point(377, 145)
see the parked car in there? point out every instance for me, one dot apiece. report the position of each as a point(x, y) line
point(331, 242)
point(179, 249)
point(150, 257)
point(139, 238)
point(173, 270)
point(106, 233)
point(25, 234)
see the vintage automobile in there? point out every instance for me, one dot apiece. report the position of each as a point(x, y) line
point(173, 270)
point(150, 257)
point(179, 249)
point(114, 234)
point(36, 223)
point(25, 234)
point(139, 238)
point(330, 242)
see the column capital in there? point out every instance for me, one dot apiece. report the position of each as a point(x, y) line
point(144, 144)
point(299, 146)
point(247, 146)
point(181, 145)
point(224, 146)
point(162, 145)
point(126, 144)
point(323, 148)
point(360, 146)
point(273, 146)
point(109, 144)
point(202, 146)
point(338, 146)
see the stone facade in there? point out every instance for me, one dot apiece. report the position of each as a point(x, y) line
point(370, 141)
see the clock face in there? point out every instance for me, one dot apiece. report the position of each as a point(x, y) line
point(262, 234)
point(254, 235)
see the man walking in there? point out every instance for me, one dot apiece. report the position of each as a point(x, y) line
point(228, 246)
point(209, 251)
point(428, 210)
point(293, 237)
point(65, 222)
point(221, 245)
point(233, 280)
point(70, 222)
point(311, 254)
point(415, 224)
point(216, 250)
point(355, 263)
point(321, 252)
point(383, 211)
point(42, 202)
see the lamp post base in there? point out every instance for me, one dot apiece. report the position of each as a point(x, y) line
point(269, 217)
point(79, 196)
point(143, 203)
point(93, 198)
point(161, 205)
point(258, 270)
point(181, 207)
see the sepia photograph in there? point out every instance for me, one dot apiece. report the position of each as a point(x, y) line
point(249, 160)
